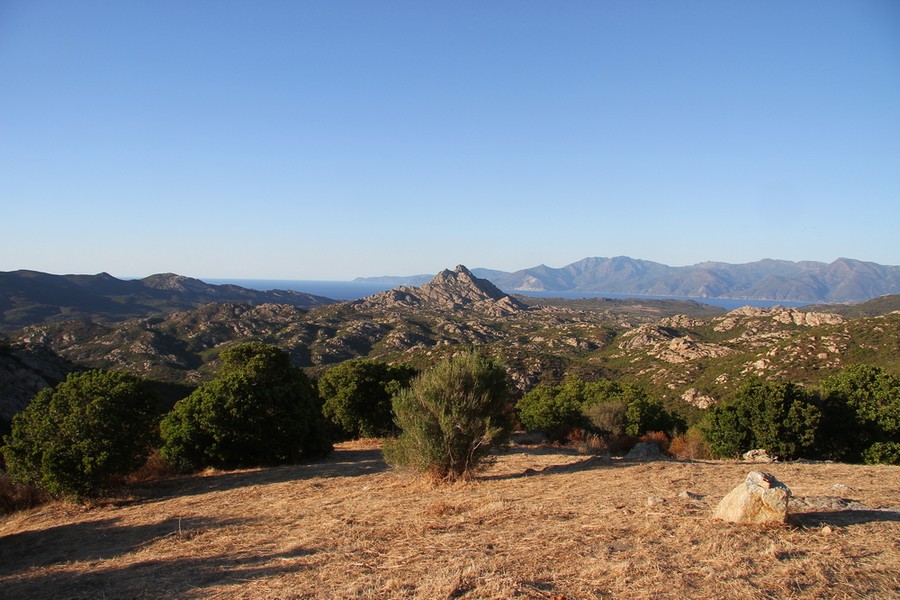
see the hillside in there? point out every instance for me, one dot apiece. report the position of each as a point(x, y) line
point(541, 523)
point(29, 297)
point(406, 324)
point(843, 280)
point(689, 354)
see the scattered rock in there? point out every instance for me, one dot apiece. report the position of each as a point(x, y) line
point(802, 504)
point(695, 398)
point(654, 500)
point(760, 499)
point(759, 455)
point(686, 495)
point(644, 451)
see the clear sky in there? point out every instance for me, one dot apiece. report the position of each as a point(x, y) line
point(334, 139)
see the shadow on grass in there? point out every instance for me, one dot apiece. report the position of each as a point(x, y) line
point(39, 564)
point(588, 463)
point(92, 540)
point(842, 518)
point(340, 463)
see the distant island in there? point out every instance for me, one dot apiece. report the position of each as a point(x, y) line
point(844, 280)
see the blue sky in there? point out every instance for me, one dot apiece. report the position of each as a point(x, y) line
point(328, 140)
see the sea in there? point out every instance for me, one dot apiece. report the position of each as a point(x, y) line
point(353, 290)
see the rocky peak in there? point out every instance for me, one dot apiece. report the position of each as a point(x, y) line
point(448, 290)
point(461, 287)
point(172, 281)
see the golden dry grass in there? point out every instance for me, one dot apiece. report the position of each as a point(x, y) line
point(541, 523)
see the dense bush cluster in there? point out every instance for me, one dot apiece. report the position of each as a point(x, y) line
point(74, 439)
point(357, 396)
point(450, 417)
point(603, 407)
point(260, 410)
point(780, 417)
point(854, 417)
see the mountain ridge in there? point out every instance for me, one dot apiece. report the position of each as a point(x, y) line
point(32, 297)
point(842, 280)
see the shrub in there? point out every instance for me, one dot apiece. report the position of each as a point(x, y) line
point(643, 413)
point(607, 417)
point(887, 453)
point(450, 417)
point(258, 411)
point(779, 417)
point(862, 408)
point(604, 406)
point(74, 439)
point(659, 438)
point(357, 396)
point(14, 496)
point(555, 410)
point(691, 445)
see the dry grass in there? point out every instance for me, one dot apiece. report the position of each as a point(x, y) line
point(541, 523)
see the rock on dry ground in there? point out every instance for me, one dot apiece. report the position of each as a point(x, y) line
point(760, 499)
point(541, 523)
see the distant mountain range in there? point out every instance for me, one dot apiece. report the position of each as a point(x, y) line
point(31, 297)
point(844, 280)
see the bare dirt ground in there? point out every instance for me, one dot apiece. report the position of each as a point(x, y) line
point(540, 523)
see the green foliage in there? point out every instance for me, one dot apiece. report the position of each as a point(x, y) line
point(887, 453)
point(862, 409)
point(450, 417)
point(601, 405)
point(552, 409)
point(72, 440)
point(644, 414)
point(258, 411)
point(779, 417)
point(357, 396)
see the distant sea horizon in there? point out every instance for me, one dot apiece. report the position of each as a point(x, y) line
point(354, 290)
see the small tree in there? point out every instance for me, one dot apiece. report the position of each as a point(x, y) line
point(450, 418)
point(258, 411)
point(72, 440)
point(357, 396)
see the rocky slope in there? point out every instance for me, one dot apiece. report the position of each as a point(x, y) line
point(26, 369)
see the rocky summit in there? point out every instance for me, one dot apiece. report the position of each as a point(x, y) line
point(449, 290)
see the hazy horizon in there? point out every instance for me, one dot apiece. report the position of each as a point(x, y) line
point(352, 279)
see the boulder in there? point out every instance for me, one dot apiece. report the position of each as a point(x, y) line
point(758, 455)
point(644, 451)
point(760, 499)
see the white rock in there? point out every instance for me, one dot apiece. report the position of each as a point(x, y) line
point(760, 499)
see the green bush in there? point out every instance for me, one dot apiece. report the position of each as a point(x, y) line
point(607, 418)
point(555, 410)
point(887, 453)
point(644, 414)
point(74, 439)
point(357, 396)
point(780, 417)
point(450, 418)
point(862, 408)
point(604, 406)
point(258, 411)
